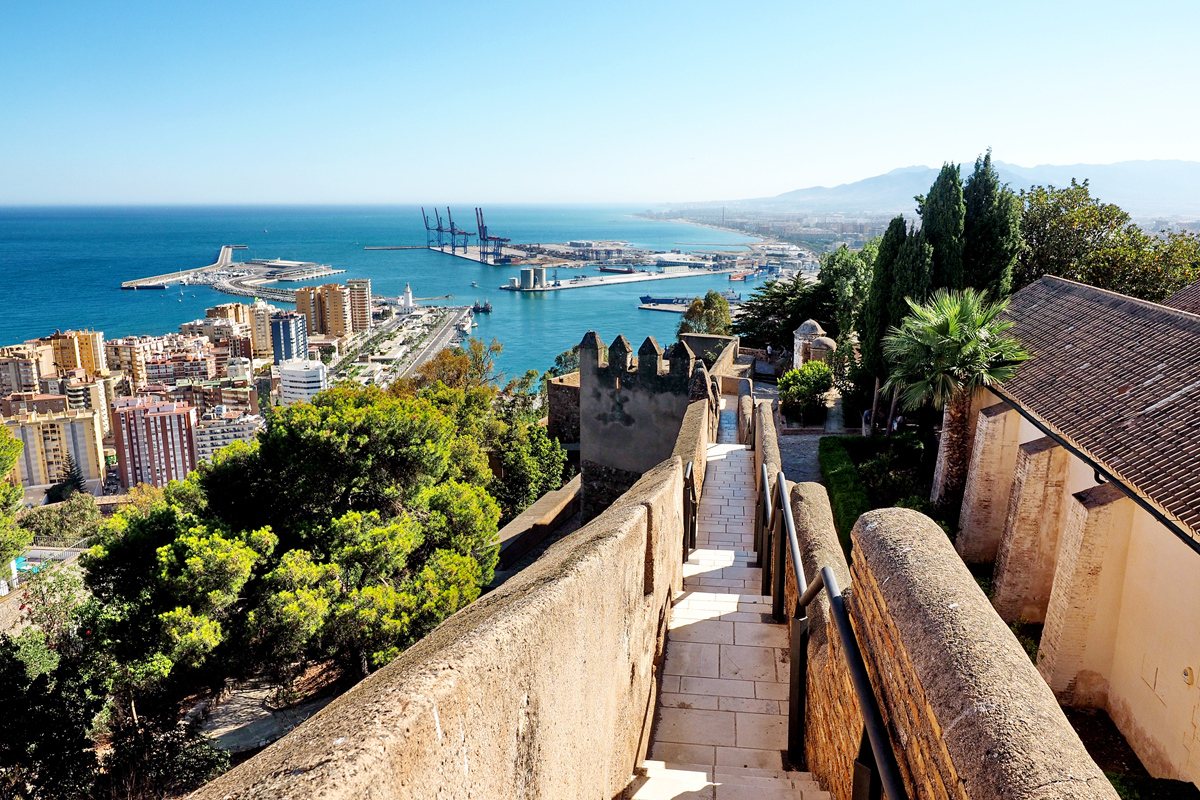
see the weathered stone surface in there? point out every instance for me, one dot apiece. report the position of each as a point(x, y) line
point(538, 521)
point(968, 713)
point(718, 352)
point(602, 485)
point(745, 407)
point(1028, 552)
point(1072, 661)
point(692, 442)
point(985, 497)
point(833, 721)
point(562, 398)
point(542, 689)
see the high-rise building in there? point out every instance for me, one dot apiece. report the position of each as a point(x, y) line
point(129, 356)
point(237, 312)
point(300, 379)
point(89, 392)
point(359, 290)
point(91, 351)
point(326, 308)
point(260, 328)
point(49, 437)
point(23, 365)
point(170, 368)
point(216, 328)
point(289, 336)
point(221, 426)
point(155, 440)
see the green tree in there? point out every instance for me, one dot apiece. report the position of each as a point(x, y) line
point(709, 315)
point(1071, 234)
point(942, 220)
point(912, 276)
point(772, 313)
point(13, 538)
point(63, 524)
point(991, 230)
point(153, 761)
point(50, 597)
point(876, 309)
point(530, 464)
point(802, 391)
point(848, 276)
point(942, 352)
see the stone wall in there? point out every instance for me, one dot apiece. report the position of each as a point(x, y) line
point(630, 412)
point(745, 408)
point(562, 399)
point(833, 722)
point(537, 522)
point(717, 352)
point(692, 442)
point(989, 478)
point(969, 715)
point(543, 689)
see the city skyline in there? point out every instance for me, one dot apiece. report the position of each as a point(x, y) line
point(533, 103)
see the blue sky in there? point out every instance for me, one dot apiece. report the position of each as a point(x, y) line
point(352, 102)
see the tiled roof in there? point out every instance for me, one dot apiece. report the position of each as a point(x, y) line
point(1120, 379)
point(1186, 299)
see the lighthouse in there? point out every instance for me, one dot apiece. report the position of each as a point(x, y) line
point(406, 300)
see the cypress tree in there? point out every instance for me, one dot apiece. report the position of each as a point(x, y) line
point(875, 319)
point(74, 480)
point(942, 217)
point(991, 231)
point(912, 275)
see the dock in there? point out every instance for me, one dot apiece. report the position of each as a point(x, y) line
point(588, 281)
point(224, 261)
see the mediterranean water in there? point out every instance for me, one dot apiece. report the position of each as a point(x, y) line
point(62, 268)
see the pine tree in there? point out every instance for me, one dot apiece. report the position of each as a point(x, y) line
point(942, 217)
point(991, 231)
point(912, 276)
point(74, 480)
point(875, 321)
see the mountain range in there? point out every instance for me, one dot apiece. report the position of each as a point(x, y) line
point(1143, 188)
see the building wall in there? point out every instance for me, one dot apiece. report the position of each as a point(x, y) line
point(47, 438)
point(155, 441)
point(359, 290)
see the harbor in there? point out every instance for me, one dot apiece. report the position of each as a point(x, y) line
point(533, 279)
point(241, 278)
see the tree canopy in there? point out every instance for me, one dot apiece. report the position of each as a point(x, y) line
point(771, 315)
point(942, 223)
point(847, 274)
point(991, 230)
point(709, 315)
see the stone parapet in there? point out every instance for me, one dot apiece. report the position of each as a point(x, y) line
point(1028, 551)
point(832, 722)
point(969, 715)
point(562, 399)
point(544, 688)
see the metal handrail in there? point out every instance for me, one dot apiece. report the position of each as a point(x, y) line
point(874, 728)
point(690, 510)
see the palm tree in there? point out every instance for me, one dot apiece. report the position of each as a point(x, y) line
point(941, 353)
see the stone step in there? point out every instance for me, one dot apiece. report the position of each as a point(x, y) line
point(696, 782)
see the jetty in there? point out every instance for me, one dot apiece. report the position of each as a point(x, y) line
point(224, 261)
point(588, 281)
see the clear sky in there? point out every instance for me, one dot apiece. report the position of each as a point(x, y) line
point(434, 102)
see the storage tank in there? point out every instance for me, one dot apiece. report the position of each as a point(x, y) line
point(539, 277)
point(527, 277)
point(513, 283)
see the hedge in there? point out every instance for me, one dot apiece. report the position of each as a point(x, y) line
point(847, 495)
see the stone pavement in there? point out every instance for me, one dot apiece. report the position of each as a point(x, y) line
point(721, 722)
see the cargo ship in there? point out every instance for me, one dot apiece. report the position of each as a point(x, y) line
point(729, 295)
point(621, 270)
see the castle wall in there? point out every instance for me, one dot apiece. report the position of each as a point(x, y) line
point(562, 399)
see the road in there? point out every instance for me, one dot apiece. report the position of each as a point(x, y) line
point(438, 340)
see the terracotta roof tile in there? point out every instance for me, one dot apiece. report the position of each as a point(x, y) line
point(1186, 299)
point(1120, 378)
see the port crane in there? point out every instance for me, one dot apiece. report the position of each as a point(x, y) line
point(440, 230)
point(455, 233)
point(490, 245)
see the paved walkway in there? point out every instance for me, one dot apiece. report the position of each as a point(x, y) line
point(721, 722)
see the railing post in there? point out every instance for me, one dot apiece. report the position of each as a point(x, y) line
point(688, 515)
point(798, 690)
point(780, 569)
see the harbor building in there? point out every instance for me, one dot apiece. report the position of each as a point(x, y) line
point(221, 426)
point(48, 437)
point(289, 336)
point(300, 379)
point(360, 303)
point(326, 308)
point(155, 440)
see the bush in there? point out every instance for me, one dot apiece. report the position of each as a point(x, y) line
point(1134, 787)
point(847, 495)
point(802, 391)
point(855, 384)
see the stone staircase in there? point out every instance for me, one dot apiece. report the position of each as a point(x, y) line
point(721, 722)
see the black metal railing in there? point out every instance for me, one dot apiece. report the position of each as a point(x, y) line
point(691, 509)
point(875, 770)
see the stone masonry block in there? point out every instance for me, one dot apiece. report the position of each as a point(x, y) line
point(1028, 552)
point(985, 498)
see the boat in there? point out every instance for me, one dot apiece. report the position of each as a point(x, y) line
point(621, 270)
point(486, 308)
point(729, 294)
point(473, 283)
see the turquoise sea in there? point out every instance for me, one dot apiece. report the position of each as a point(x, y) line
point(62, 267)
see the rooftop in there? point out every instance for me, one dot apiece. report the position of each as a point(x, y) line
point(1119, 378)
point(1186, 299)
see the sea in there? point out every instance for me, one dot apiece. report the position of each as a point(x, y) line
point(62, 268)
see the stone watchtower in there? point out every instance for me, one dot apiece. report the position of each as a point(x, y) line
point(811, 343)
point(630, 411)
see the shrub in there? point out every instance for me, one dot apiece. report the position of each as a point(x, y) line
point(855, 384)
point(847, 495)
point(801, 391)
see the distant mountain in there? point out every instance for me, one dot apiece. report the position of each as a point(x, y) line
point(1143, 188)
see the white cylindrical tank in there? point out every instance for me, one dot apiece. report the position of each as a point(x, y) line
point(527, 277)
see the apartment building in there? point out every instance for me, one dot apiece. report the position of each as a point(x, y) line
point(300, 379)
point(221, 426)
point(289, 336)
point(359, 290)
point(47, 439)
point(326, 308)
point(155, 440)
point(260, 329)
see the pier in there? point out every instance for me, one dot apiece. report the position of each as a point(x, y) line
point(588, 281)
point(224, 261)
